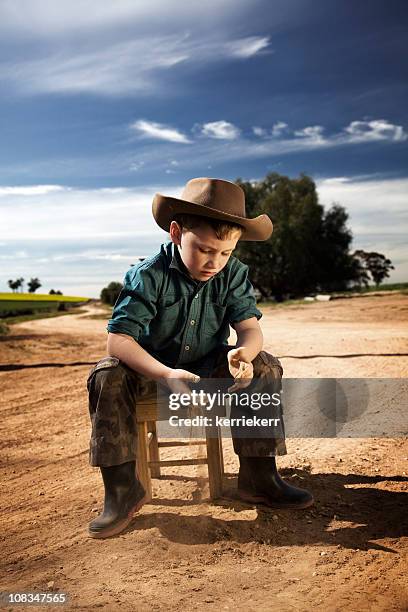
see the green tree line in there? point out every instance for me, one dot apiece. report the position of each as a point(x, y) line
point(33, 284)
point(310, 248)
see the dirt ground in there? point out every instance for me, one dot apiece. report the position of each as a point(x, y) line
point(181, 552)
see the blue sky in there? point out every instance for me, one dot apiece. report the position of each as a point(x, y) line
point(102, 104)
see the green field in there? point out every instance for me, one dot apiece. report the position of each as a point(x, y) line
point(42, 297)
point(15, 303)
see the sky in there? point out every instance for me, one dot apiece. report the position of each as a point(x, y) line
point(103, 104)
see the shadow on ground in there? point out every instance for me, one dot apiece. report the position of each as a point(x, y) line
point(349, 511)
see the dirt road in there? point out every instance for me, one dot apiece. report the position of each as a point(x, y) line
point(349, 551)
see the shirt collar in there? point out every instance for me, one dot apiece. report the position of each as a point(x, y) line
point(177, 262)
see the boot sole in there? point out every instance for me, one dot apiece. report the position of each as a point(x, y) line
point(262, 499)
point(121, 525)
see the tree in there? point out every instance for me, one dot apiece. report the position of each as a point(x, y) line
point(376, 264)
point(14, 285)
point(33, 285)
point(110, 294)
point(362, 277)
point(309, 248)
point(52, 292)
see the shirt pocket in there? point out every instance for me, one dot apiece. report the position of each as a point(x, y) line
point(214, 319)
point(168, 314)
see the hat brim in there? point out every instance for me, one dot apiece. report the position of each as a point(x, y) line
point(165, 207)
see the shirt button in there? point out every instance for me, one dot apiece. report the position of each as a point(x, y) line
point(187, 348)
point(192, 322)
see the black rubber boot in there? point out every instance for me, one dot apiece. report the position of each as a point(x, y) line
point(124, 495)
point(260, 482)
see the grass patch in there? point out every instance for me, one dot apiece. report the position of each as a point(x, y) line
point(402, 287)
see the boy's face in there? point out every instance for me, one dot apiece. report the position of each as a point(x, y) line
point(203, 254)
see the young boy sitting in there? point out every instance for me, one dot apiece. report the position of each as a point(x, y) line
point(171, 323)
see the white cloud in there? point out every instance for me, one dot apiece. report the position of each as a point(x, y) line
point(56, 18)
point(29, 190)
point(92, 255)
point(13, 256)
point(75, 214)
point(247, 47)
point(117, 64)
point(278, 128)
point(136, 166)
point(378, 129)
point(304, 139)
point(258, 131)
point(357, 132)
point(276, 131)
point(334, 181)
point(381, 198)
point(222, 130)
point(150, 129)
point(205, 150)
point(112, 69)
point(313, 133)
point(30, 18)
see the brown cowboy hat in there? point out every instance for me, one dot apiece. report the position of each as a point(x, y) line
point(215, 198)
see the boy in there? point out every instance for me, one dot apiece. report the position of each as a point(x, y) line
point(171, 323)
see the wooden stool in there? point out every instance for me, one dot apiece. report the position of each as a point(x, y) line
point(148, 457)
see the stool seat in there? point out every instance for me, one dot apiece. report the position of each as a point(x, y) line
point(148, 445)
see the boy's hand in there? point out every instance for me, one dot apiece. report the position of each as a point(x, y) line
point(177, 380)
point(242, 371)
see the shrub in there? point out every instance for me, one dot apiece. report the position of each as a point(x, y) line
point(110, 294)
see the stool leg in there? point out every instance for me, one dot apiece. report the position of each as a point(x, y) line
point(221, 453)
point(214, 459)
point(142, 465)
point(154, 454)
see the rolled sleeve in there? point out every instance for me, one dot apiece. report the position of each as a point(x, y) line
point(241, 303)
point(136, 305)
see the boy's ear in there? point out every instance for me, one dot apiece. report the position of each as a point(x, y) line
point(175, 232)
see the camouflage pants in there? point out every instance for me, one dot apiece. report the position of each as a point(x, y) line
point(114, 389)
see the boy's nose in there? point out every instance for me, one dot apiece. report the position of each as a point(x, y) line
point(213, 264)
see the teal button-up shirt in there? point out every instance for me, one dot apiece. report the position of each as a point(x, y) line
point(175, 318)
